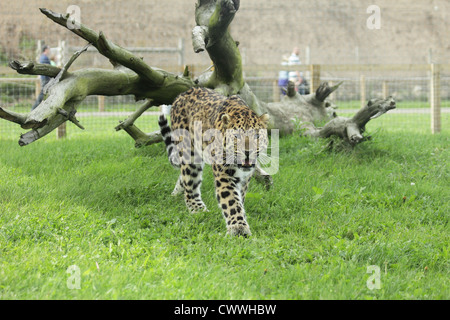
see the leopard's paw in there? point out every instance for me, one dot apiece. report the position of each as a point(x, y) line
point(239, 230)
point(198, 207)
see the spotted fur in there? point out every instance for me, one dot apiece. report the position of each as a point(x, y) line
point(234, 120)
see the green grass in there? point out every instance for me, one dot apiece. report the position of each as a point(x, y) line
point(93, 199)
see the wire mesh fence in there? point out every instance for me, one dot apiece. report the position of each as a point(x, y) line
point(411, 89)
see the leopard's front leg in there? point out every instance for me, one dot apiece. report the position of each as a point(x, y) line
point(191, 176)
point(178, 186)
point(229, 186)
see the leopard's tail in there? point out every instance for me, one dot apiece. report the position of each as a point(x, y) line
point(166, 133)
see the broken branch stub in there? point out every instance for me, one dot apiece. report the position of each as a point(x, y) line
point(325, 90)
point(351, 129)
point(34, 69)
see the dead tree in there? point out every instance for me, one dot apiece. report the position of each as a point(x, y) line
point(132, 76)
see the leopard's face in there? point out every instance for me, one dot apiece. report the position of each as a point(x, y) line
point(245, 139)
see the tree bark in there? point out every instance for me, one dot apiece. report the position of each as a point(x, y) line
point(351, 129)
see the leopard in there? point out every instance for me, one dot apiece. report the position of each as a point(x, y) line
point(205, 124)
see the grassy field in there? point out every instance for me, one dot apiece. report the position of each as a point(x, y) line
point(95, 202)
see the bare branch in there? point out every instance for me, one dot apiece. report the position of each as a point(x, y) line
point(32, 68)
point(129, 60)
point(132, 118)
point(130, 76)
point(141, 138)
point(12, 116)
point(63, 20)
point(60, 105)
point(324, 91)
point(71, 117)
point(110, 50)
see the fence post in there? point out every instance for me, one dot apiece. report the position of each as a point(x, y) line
point(62, 53)
point(385, 89)
point(37, 86)
point(181, 52)
point(435, 98)
point(315, 77)
point(307, 55)
point(61, 132)
point(101, 103)
point(362, 85)
point(276, 91)
point(38, 50)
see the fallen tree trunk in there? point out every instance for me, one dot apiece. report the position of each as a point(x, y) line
point(351, 129)
point(132, 76)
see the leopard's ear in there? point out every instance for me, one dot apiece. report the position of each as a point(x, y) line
point(264, 119)
point(226, 120)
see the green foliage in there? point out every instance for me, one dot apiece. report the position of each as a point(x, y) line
point(96, 202)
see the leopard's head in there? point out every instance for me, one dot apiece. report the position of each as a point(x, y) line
point(245, 138)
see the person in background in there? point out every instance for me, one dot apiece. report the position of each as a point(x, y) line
point(44, 59)
point(53, 60)
point(283, 79)
point(301, 85)
point(295, 57)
